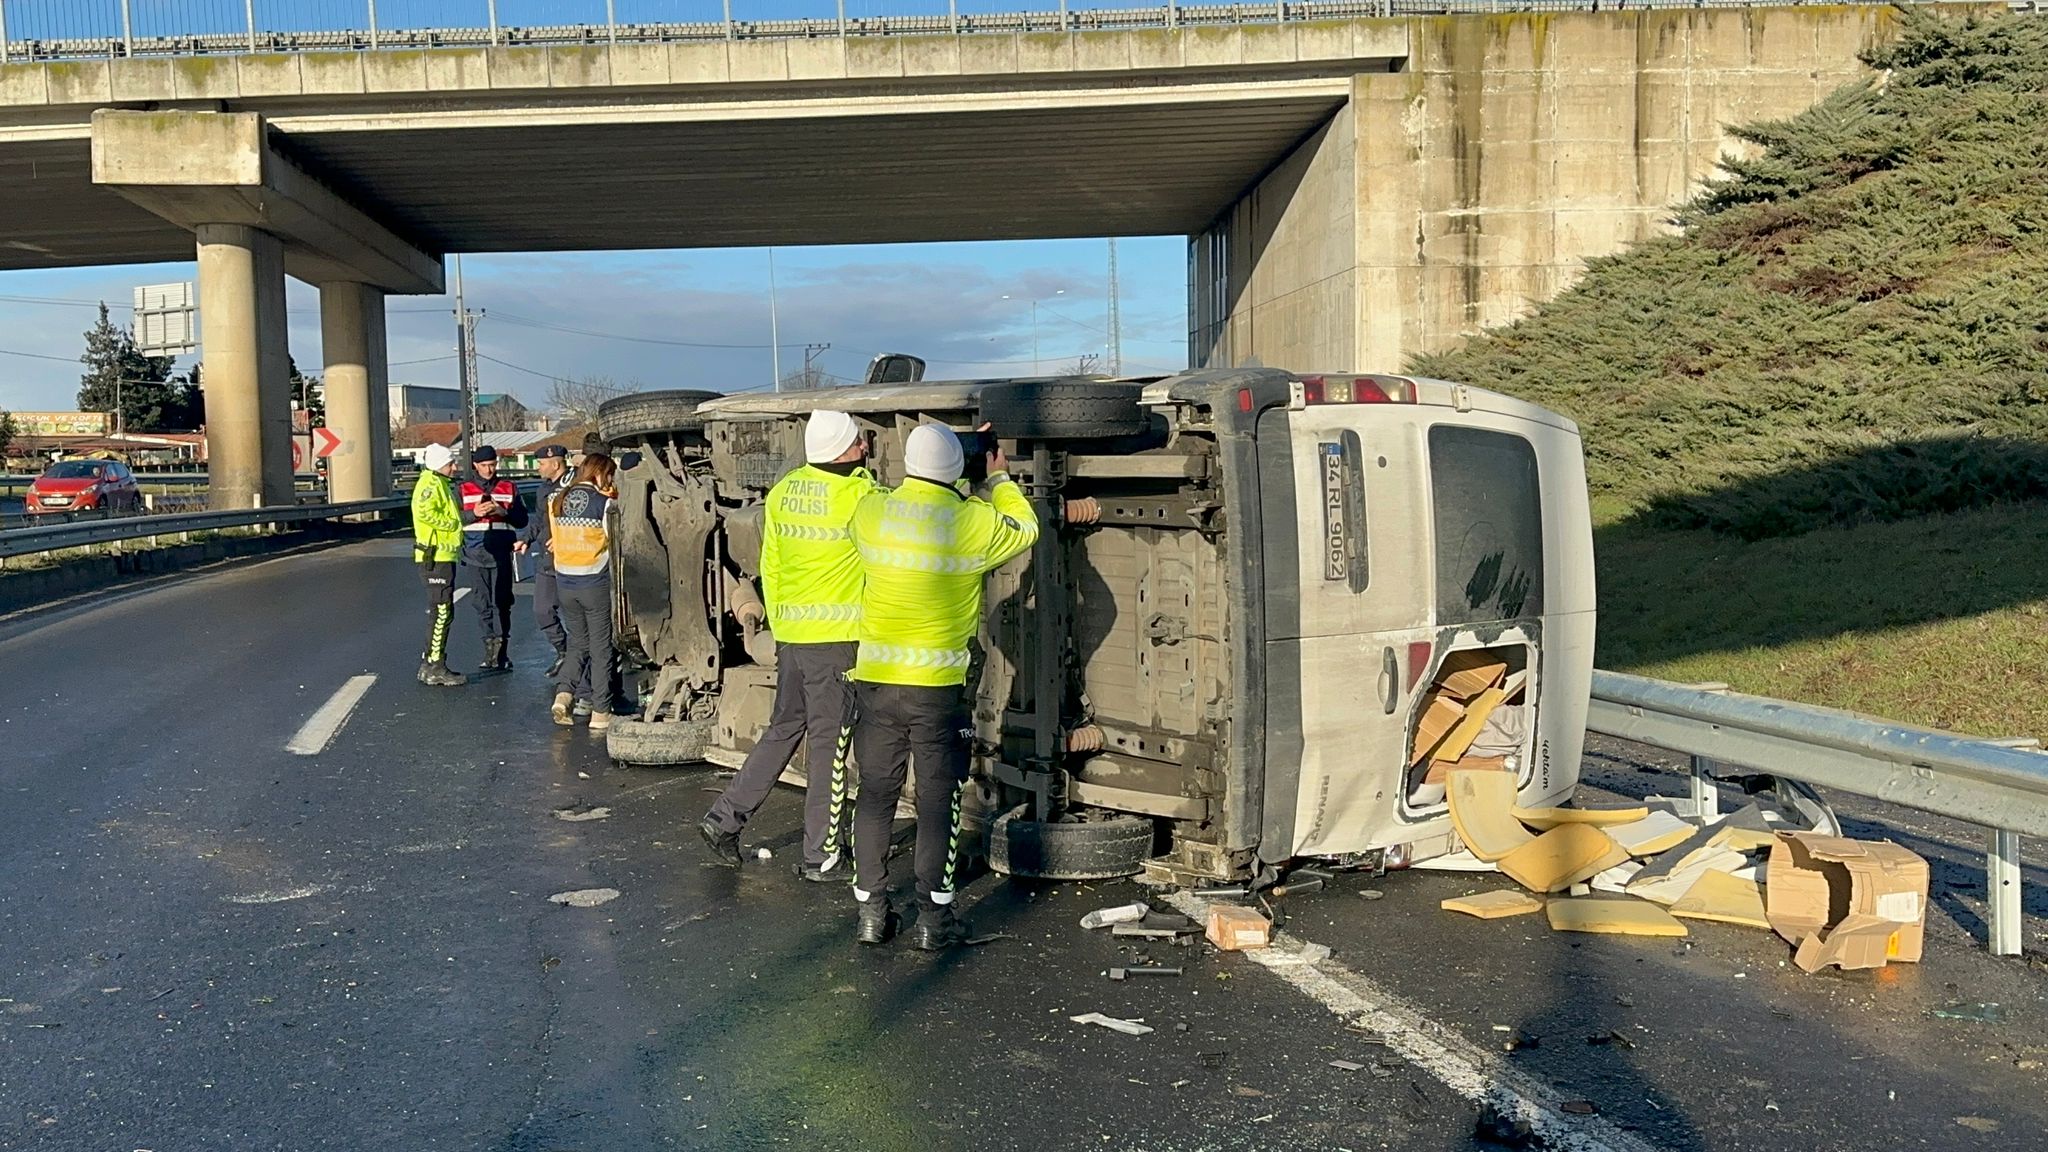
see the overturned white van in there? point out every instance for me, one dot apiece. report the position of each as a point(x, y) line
point(1219, 655)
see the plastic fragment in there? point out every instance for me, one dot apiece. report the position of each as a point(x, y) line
point(1127, 1027)
point(585, 897)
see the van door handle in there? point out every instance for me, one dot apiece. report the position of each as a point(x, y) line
point(1390, 679)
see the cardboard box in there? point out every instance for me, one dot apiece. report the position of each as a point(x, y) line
point(1235, 928)
point(1440, 714)
point(1467, 729)
point(1440, 770)
point(1466, 674)
point(1854, 903)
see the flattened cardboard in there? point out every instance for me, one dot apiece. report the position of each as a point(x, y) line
point(1619, 917)
point(1440, 714)
point(1469, 725)
point(1655, 833)
point(1562, 857)
point(1857, 903)
point(1616, 879)
point(1466, 674)
point(1671, 887)
point(1703, 842)
point(1235, 928)
point(1722, 896)
point(1494, 905)
point(1544, 819)
point(1480, 803)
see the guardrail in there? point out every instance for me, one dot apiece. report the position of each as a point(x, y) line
point(2001, 785)
point(86, 533)
point(56, 30)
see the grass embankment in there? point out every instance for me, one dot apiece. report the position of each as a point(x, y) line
point(1817, 420)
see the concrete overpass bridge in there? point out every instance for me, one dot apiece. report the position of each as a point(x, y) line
point(1356, 189)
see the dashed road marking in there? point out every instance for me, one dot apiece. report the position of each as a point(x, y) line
point(319, 730)
point(1460, 1065)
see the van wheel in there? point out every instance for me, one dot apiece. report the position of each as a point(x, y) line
point(1063, 409)
point(635, 741)
point(1080, 850)
point(626, 418)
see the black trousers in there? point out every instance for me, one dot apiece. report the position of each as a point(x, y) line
point(440, 580)
point(590, 662)
point(547, 605)
point(897, 722)
point(490, 576)
point(813, 708)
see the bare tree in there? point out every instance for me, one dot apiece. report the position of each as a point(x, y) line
point(809, 376)
point(504, 414)
point(577, 401)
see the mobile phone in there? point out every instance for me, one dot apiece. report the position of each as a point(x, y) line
point(974, 448)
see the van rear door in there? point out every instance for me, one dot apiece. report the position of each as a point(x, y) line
point(1347, 623)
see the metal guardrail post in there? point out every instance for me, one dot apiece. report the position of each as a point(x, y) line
point(2002, 893)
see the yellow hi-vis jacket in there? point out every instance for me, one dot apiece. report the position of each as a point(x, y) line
point(810, 572)
point(925, 548)
point(436, 521)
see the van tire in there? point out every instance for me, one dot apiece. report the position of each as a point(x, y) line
point(1064, 409)
point(1079, 850)
point(624, 418)
point(660, 743)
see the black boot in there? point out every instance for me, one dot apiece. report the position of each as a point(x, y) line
point(439, 675)
point(818, 875)
point(426, 671)
point(938, 929)
point(873, 924)
point(724, 845)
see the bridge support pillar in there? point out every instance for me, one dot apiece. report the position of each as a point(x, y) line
point(357, 379)
point(246, 367)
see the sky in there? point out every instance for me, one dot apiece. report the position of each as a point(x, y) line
point(687, 319)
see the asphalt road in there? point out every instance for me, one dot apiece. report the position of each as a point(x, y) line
point(207, 941)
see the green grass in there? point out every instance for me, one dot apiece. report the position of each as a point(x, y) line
point(1817, 420)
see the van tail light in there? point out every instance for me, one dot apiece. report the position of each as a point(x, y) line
point(1419, 652)
point(1356, 390)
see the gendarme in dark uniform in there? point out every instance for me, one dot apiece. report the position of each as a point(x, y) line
point(552, 461)
point(491, 519)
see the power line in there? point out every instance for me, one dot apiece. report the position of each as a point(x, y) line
point(528, 322)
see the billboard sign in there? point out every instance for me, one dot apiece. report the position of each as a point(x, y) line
point(166, 319)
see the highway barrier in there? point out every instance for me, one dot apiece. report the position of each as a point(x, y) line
point(88, 533)
point(2001, 785)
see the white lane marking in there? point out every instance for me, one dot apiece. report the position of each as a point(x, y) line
point(1460, 1065)
point(460, 593)
point(279, 897)
point(318, 731)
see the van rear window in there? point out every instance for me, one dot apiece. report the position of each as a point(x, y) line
point(1488, 506)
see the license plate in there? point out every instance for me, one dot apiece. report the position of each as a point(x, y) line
point(51, 500)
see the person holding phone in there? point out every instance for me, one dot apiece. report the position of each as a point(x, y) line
point(924, 547)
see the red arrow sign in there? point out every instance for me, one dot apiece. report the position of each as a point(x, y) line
point(325, 443)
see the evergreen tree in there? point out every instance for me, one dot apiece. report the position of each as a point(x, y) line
point(117, 374)
point(8, 430)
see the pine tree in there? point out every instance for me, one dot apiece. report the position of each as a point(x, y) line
point(117, 374)
point(8, 430)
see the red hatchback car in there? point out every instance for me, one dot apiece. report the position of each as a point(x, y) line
point(69, 487)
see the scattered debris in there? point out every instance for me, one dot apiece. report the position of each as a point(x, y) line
point(1372, 894)
point(1603, 1039)
point(1579, 1108)
point(1858, 904)
point(1234, 928)
point(585, 897)
point(1978, 1123)
point(1294, 886)
point(1121, 914)
point(1562, 857)
point(1229, 893)
point(1494, 905)
point(1521, 1041)
point(1981, 1013)
point(763, 854)
point(1142, 970)
point(1654, 834)
point(1212, 1059)
point(1724, 897)
point(1497, 1127)
point(1156, 927)
point(1481, 807)
point(1346, 1066)
point(1544, 819)
point(1621, 917)
point(1127, 1027)
point(977, 941)
point(578, 813)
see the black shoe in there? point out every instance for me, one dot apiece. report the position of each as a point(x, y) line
point(873, 925)
point(426, 671)
point(938, 929)
point(724, 845)
point(817, 875)
point(439, 675)
point(556, 668)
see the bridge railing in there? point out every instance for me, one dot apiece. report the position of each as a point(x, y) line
point(2001, 785)
point(81, 29)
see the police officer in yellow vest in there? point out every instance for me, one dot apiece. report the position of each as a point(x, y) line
point(811, 578)
point(925, 548)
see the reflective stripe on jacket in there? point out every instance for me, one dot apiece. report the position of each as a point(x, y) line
point(810, 570)
point(578, 529)
point(925, 548)
point(436, 521)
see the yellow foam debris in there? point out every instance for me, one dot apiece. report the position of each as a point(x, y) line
point(1749, 839)
point(1469, 725)
point(1480, 807)
point(1561, 857)
point(1494, 905)
point(1724, 897)
point(1544, 819)
point(1620, 917)
point(1656, 833)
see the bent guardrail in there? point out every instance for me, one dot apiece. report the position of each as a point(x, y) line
point(2001, 785)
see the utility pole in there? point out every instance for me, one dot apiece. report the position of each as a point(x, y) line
point(774, 329)
point(811, 354)
point(465, 353)
point(1116, 318)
